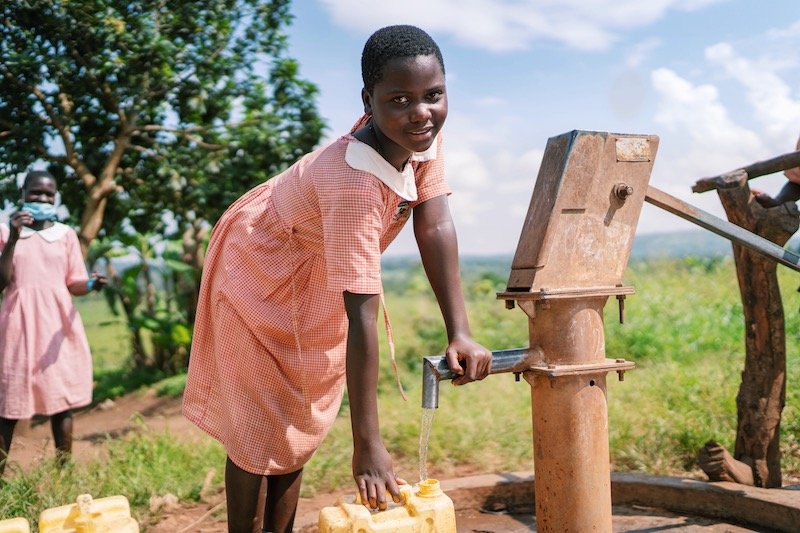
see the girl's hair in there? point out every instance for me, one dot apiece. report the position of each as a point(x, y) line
point(34, 175)
point(394, 42)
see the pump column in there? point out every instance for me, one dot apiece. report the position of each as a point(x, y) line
point(571, 257)
point(570, 415)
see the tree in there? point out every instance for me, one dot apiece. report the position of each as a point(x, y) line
point(155, 115)
point(153, 106)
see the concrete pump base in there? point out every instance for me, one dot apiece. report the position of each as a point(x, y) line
point(505, 502)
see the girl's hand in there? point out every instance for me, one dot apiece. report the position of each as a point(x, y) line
point(374, 476)
point(763, 198)
point(469, 359)
point(98, 281)
point(19, 219)
point(793, 174)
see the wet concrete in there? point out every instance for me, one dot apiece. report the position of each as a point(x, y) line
point(624, 519)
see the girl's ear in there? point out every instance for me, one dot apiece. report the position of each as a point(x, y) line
point(367, 99)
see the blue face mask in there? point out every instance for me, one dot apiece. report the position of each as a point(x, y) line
point(40, 210)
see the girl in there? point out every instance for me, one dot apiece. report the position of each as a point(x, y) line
point(45, 364)
point(291, 289)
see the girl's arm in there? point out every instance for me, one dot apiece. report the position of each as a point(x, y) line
point(438, 247)
point(18, 219)
point(372, 465)
point(7, 262)
point(94, 283)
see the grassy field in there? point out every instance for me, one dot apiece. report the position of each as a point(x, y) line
point(683, 329)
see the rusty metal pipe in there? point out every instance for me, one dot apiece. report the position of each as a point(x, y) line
point(721, 227)
point(435, 369)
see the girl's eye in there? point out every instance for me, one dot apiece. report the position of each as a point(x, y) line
point(435, 95)
point(401, 100)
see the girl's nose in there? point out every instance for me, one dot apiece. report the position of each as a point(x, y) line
point(420, 113)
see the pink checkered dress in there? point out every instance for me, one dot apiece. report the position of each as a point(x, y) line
point(267, 367)
point(45, 363)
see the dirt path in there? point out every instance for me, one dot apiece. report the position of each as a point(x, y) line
point(33, 442)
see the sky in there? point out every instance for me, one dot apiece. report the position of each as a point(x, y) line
point(718, 81)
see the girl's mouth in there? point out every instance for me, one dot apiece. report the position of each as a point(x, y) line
point(423, 132)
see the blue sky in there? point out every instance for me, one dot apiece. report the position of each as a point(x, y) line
point(717, 80)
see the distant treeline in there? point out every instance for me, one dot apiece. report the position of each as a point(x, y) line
point(679, 244)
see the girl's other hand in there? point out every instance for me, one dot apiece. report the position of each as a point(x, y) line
point(19, 219)
point(793, 174)
point(374, 476)
point(99, 281)
point(469, 359)
point(763, 198)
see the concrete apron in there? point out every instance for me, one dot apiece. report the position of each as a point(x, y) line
point(776, 509)
point(513, 492)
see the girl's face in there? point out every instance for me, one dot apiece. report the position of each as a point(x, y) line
point(41, 189)
point(408, 106)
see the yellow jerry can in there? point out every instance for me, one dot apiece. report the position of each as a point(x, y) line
point(104, 515)
point(15, 525)
point(425, 509)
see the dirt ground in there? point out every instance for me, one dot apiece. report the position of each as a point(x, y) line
point(33, 441)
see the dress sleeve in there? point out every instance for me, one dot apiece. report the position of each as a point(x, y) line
point(4, 231)
point(351, 206)
point(430, 175)
point(76, 268)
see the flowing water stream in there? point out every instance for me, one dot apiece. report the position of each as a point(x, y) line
point(424, 437)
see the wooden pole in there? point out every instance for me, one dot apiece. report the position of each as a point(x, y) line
point(762, 392)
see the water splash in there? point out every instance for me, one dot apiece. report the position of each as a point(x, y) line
point(424, 437)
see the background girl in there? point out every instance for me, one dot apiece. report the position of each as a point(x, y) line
point(45, 363)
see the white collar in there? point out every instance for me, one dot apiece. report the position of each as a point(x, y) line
point(362, 156)
point(51, 234)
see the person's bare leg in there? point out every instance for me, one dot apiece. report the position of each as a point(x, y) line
point(719, 465)
point(280, 506)
point(61, 424)
point(241, 494)
point(6, 434)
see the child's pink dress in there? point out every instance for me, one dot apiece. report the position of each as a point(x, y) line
point(267, 367)
point(45, 363)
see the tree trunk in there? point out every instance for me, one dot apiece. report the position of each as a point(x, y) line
point(762, 392)
point(194, 254)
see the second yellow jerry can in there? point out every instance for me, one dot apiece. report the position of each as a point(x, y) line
point(425, 509)
point(15, 525)
point(103, 515)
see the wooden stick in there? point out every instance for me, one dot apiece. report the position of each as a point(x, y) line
point(760, 168)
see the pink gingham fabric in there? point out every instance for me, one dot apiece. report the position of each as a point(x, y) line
point(45, 363)
point(267, 367)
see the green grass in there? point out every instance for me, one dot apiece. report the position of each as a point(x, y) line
point(683, 329)
point(107, 333)
point(138, 466)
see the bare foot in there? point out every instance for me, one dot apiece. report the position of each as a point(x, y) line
point(719, 465)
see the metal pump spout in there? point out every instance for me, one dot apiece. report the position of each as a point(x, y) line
point(435, 369)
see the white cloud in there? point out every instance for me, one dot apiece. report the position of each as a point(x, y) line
point(501, 25)
point(710, 128)
point(735, 109)
point(709, 139)
point(774, 105)
point(639, 52)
